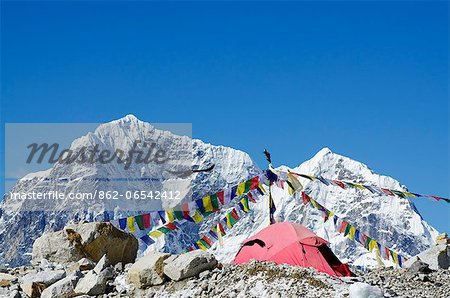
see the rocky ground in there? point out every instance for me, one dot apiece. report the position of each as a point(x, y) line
point(256, 279)
point(77, 262)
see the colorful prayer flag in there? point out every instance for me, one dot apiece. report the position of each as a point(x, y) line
point(146, 220)
point(122, 223)
point(147, 240)
point(155, 233)
point(140, 224)
point(207, 204)
point(130, 224)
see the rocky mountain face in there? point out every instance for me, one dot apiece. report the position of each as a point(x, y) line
point(392, 221)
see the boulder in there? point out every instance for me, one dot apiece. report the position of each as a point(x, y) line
point(361, 289)
point(101, 265)
point(92, 283)
point(189, 264)
point(61, 289)
point(46, 277)
point(148, 270)
point(33, 289)
point(6, 279)
point(86, 240)
point(437, 257)
point(34, 283)
point(419, 267)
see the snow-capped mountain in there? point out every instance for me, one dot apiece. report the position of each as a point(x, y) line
point(392, 221)
point(19, 227)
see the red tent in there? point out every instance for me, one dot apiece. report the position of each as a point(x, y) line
point(293, 244)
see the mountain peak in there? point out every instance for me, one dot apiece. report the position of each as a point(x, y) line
point(322, 152)
point(129, 118)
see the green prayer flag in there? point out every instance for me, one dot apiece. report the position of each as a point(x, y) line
point(347, 229)
point(215, 202)
point(140, 223)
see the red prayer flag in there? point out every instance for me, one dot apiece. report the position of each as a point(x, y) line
point(387, 191)
point(171, 226)
point(343, 226)
point(222, 230)
point(207, 240)
point(146, 220)
point(339, 183)
point(254, 183)
point(185, 209)
point(306, 199)
point(234, 214)
point(251, 198)
point(220, 197)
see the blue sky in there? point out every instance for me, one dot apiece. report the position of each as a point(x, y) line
point(370, 80)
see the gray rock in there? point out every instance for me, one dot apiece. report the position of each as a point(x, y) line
point(6, 279)
point(34, 283)
point(44, 264)
point(118, 267)
point(62, 288)
point(148, 270)
point(85, 264)
point(3, 269)
point(101, 265)
point(437, 257)
point(204, 274)
point(86, 240)
point(46, 277)
point(418, 267)
point(423, 277)
point(15, 294)
point(92, 284)
point(189, 264)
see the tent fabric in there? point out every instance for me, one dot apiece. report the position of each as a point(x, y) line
point(293, 244)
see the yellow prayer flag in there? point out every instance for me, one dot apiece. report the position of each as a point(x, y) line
point(207, 204)
point(314, 203)
point(395, 257)
point(373, 245)
point(261, 188)
point(200, 244)
point(170, 214)
point(155, 234)
point(311, 177)
point(351, 233)
point(197, 217)
point(409, 194)
point(130, 223)
point(359, 186)
point(240, 190)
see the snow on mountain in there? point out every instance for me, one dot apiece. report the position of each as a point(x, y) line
point(20, 227)
point(392, 221)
